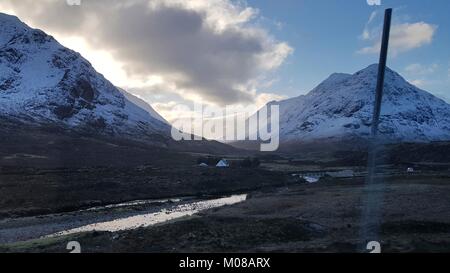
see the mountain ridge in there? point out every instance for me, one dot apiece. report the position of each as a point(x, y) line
point(52, 91)
point(342, 105)
point(43, 82)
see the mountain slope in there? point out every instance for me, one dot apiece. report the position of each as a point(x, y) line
point(42, 82)
point(142, 104)
point(340, 108)
point(56, 107)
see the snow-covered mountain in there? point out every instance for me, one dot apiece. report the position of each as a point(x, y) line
point(341, 108)
point(44, 83)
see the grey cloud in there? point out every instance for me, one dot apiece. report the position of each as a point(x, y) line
point(170, 40)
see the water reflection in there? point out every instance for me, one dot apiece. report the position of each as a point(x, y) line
point(161, 216)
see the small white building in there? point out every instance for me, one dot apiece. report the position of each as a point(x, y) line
point(410, 170)
point(223, 164)
point(203, 165)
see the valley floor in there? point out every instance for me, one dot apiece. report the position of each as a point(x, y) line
point(31, 192)
point(320, 217)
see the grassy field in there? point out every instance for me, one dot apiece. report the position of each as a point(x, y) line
point(321, 217)
point(29, 192)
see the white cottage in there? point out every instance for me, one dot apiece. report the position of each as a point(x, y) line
point(223, 164)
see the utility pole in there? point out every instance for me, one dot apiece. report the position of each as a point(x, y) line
point(372, 208)
point(381, 72)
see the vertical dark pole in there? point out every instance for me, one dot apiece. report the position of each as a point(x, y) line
point(372, 208)
point(381, 71)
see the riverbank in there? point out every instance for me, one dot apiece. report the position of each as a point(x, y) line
point(320, 217)
point(124, 216)
point(33, 192)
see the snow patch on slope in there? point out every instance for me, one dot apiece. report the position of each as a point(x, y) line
point(42, 82)
point(341, 107)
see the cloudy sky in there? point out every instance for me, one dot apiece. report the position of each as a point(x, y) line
point(226, 52)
